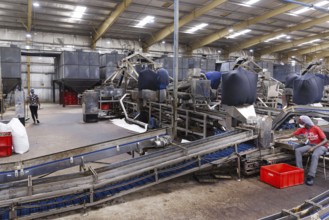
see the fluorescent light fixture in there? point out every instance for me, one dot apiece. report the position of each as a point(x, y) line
point(27, 47)
point(238, 33)
point(288, 37)
point(319, 4)
point(219, 51)
point(78, 12)
point(309, 42)
point(250, 2)
point(276, 38)
point(144, 21)
point(198, 27)
point(251, 50)
point(231, 30)
point(28, 35)
point(36, 4)
point(322, 3)
point(163, 42)
point(300, 11)
point(108, 42)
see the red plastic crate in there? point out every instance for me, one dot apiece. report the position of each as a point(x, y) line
point(105, 106)
point(6, 144)
point(282, 175)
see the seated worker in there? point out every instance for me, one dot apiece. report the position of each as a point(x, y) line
point(316, 145)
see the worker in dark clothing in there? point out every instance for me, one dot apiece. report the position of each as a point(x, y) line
point(316, 145)
point(34, 105)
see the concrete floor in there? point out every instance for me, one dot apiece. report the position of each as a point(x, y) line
point(182, 198)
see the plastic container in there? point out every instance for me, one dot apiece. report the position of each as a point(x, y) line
point(282, 175)
point(6, 144)
point(105, 106)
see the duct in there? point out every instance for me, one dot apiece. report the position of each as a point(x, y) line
point(307, 5)
point(53, 42)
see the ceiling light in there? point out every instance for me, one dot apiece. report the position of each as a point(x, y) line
point(78, 12)
point(27, 47)
point(250, 2)
point(288, 37)
point(276, 38)
point(309, 42)
point(198, 27)
point(36, 4)
point(219, 51)
point(300, 11)
point(231, 30)
point(144, 21)
point(108, 42)
point(251, 50)
point(322, 3)
point(321, 59)
point(238, 33)
point(163, 42)
point(28, 35)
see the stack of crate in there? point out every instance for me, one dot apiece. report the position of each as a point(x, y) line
point(70, 97)
point(109, 63)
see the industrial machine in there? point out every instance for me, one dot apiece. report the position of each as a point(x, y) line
point(217, 134)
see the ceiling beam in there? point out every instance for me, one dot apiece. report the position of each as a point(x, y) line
point(109, 21)
point(288, 30)
point(224, 32)
point(29, 16)
point(319, 55)
point(295, 43)
point(186, 19)
point(308, 50)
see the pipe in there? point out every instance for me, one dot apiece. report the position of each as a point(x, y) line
point(176, 53)
point(307, 5)
point(127, 117)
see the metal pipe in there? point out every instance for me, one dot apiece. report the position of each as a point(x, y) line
point(176, 51)
point(127, 117)
point(307, 5)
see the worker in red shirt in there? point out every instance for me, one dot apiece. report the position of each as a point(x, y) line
point(316, 145)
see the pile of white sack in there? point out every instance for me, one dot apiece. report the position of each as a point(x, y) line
point(20, 140)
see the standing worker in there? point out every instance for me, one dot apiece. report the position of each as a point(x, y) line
point(316, 145)
point(34, 104)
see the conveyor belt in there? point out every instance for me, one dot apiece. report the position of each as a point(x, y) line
point(286, 114)
point(315, 208)
point(74, 191)
point(50, 163)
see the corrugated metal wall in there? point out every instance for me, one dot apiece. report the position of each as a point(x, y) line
point(42, 76)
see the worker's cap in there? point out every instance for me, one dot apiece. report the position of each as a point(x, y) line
point(307, 120)
point(31, 90)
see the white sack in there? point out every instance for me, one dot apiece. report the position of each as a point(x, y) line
point(4, 128)
point(20, 139)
